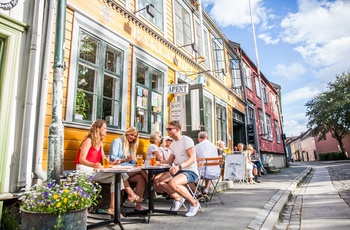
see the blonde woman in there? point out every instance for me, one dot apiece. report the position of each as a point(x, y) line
point(124, 149)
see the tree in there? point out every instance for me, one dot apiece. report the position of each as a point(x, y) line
point(329, 112)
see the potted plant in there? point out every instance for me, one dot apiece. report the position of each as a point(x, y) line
point(60, 205)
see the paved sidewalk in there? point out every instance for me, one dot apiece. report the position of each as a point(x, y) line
point(322, 207)
point(245, 206)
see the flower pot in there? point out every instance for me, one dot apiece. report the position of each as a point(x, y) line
point(44, 221)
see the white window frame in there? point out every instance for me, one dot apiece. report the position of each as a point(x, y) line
point(277, 131)
point(149, 59)
point(82, 22)
point(159, 13)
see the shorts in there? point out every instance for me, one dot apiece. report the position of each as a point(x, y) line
point(191, 176)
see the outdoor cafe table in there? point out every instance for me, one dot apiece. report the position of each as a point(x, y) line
point(150, 189)
point(117, 170)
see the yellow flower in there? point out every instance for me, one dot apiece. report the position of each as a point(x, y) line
point(66, 191)
point(58, 204)
point(65, 200)
point(55, 196)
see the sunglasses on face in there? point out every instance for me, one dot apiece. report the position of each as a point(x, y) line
point(169, 140)
point(169, 129)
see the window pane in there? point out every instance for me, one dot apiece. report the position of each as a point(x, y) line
point(142, 74)
point(141, 122)
point(157, 81)
point(88, 48)
point(112, 61)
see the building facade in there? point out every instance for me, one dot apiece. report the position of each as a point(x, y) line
point(130, 62)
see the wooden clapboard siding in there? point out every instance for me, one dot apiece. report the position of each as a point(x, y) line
point(169, 24)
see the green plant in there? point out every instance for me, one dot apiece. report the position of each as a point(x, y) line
point(76, 192)
point(9, 220)
point(82, 104)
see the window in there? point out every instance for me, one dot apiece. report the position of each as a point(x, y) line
point(246, 73)
point(149, 98)
point(268, 127)
point(206, 48)
point(264, 93)
point(183, 26)
point(257, 87)
point(262, 124)
point(273, 101)
point(157, 20)
point(99, 81)
point(236, 79)
point(219, 57)
point(221, 121)
point(251, 118)
point(277, 132)
point(208, 116)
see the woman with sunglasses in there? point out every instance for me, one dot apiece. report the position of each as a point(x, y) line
point(124, 149)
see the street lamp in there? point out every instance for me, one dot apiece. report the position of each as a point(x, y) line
point(149, 9)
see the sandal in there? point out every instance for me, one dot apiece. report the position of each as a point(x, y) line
point(136, 199)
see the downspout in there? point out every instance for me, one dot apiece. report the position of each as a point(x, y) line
point(29, 116)
point(46, 41)
point(55, 141)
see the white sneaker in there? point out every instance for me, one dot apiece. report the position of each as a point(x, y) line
point(177, 204)
point(205, 191)
point(193, 210)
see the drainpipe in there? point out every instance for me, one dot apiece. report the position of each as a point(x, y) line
point(55, 145)
point(29, 116)
point(46, 41)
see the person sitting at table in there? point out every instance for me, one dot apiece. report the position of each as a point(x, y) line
point(220, 147)
point(153, 149)
point(185, 172)
point(256, 161)
point(90, 154)
point(124, 149)
point(164, 151)
point(206, 149)
point(249, 164)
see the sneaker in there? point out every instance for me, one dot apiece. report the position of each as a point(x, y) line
point(193, 210)
point(177, 204)
point(128, 204)
point(205, 191)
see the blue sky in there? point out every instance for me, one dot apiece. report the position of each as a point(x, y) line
point(302, 45)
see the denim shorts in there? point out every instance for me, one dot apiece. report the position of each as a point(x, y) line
point(191, 176)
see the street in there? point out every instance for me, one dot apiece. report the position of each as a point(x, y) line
point(248, 206)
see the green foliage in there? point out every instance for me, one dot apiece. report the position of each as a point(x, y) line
point(9, 220)
point(333, 156)
point(76, 192)
point(82, 104)
point(329, 112)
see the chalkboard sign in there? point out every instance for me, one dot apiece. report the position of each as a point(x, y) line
point(235, 167)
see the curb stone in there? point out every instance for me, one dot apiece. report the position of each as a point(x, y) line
point(269, 214)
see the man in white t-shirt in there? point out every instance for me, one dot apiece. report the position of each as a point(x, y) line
point(206, 149)
point(184, 172)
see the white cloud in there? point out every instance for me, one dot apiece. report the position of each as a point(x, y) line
point(322, 31)
point(268, 39)
point(303, 93)
point(291, 72)
point(236, 12)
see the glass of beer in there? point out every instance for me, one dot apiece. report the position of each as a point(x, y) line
point(106, 161)
point(139, 160)
point(152, 160)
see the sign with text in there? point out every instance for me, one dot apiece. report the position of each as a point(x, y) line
point(176, 111)
point(179, 89)
point(235, 167)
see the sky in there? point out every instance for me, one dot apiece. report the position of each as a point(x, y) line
point(302, 45)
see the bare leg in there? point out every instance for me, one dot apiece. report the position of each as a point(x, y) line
point(177, 184)
point(140, 186)
point(158, 179)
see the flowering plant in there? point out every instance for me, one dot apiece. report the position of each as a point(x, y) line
point(76, 192)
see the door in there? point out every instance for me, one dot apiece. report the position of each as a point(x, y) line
point(194, 112)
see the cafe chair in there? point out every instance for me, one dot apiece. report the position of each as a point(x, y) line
point(204, 165)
